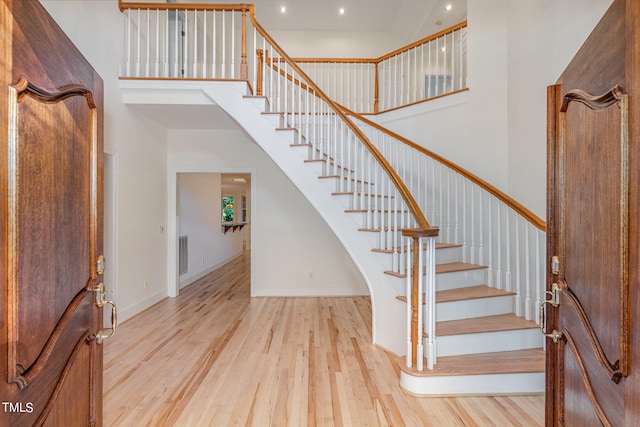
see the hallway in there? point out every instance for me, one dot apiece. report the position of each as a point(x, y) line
point(214, 356)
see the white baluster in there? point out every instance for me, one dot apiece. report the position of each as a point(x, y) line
point(472, 215)
point(214, 65)
point(186, 44)
point(205, 32)
point(431, 302)
point(233, 45)
point(195, 45)
point(420, 347)
point(518, 280)
point(408, 293)
point(127, 18)
point(490, 250)
point(465, 229)
point(499, 227)
point(138, 49)
point(223, 48)
point(508, 284)
point(481, 229)
point(527, 301)
point(539, 272)
point(166, 71)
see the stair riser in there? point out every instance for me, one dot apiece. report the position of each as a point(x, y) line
point(371, 220)
point(497, 384)
point(276, 120)
point(341, 185)
point(289, 136)
point(477, 307)
point(460, 279)
point(488, 342)
point(443, 255)
point(260, 103)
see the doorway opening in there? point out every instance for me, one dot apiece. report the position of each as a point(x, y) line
point(212, 223)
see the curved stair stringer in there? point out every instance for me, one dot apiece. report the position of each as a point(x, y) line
point(388, 314)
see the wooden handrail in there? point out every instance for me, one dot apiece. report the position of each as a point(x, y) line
point(184, 6)
point(423, 41)
point(412, 205)
point(378, 60)
point(338, 60)
point(519, 208)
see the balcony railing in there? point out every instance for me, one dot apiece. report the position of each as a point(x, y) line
point(427, 69)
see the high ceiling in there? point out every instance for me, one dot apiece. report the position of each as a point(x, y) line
point(409, 19)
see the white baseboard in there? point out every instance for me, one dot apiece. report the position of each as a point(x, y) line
point(346, 291)
point(134, 309)
point(191, 278)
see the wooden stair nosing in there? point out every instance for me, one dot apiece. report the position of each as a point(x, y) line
point(374, 210)
point(465, 294)
point(353, 193)
point(359, 181)
point(506, 362)
point(452, 267)
point(403, 249)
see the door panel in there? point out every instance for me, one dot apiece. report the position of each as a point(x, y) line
point(51, 178)
point(592, 311)
point(593, 314)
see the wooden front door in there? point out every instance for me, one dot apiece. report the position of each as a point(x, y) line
point(50, 226)
point(592, 319)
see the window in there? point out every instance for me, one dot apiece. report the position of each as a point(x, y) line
point(228, 206)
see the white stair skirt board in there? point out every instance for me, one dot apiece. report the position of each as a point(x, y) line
point(490, 384)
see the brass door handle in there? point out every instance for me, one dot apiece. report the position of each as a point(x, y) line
point(100, 302)
point(542, 318)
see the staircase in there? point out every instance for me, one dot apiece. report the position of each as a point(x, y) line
point(369, 185)
point(483, 347)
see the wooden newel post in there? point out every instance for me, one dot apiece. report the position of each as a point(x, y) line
point(260, 54)
point(244, 69)
point(415, 277)
point(417, 289)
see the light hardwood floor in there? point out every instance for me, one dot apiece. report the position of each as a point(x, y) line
point(216, 357)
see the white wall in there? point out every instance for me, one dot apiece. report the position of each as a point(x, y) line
point(472, 130)
point(498, 130)
point(140, 145)
point(543, 38)
point(332, 44)
point(199, 198)
point(293, 251)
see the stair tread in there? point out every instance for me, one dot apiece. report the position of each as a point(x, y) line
point(351, 193)
point(452, 267)
point(372, 210)
point(506, 362)
point(475, 325)
point(402, 249)
point(472, 292)
point(468, 293)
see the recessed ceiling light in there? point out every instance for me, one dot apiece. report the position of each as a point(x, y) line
point(283, 9)
point(448, 7)
point(341, 11)
point(443, 48)
point(438, 22)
